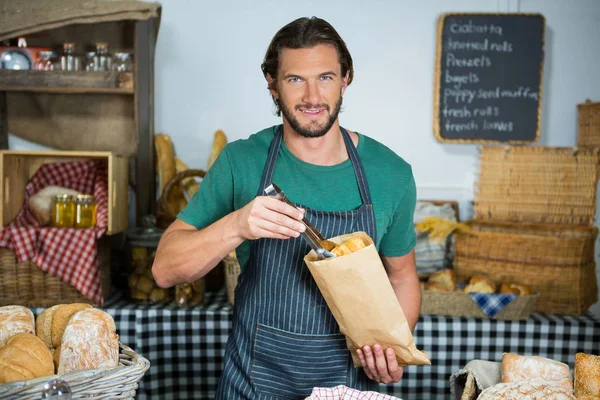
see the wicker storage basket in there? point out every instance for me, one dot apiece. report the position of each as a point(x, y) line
point(537, 184)
point(588, 119)
point(27, 285)
point(232, 273)
point(458, 304)
point(555, 260)
point(112, 383)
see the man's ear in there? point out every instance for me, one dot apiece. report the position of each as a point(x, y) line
point(272, 86)
point(345, 82)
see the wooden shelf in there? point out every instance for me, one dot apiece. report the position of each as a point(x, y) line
point(66, 82)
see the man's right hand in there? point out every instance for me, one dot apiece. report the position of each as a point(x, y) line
point(268, 217)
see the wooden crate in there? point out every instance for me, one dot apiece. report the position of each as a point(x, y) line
point(17, 168)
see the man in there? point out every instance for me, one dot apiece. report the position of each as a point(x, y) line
point(285, 340)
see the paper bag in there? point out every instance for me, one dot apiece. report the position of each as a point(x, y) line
point(360, 296)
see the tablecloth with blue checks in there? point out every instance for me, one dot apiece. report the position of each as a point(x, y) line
point(185, 346)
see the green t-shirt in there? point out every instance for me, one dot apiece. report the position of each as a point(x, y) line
point(234, 178)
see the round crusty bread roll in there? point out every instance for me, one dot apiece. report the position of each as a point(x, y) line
point(587, 376)
point(513, 288)
point(24, 356)
point(442, 281)
point(90, 341)
point(480, 284)
point(530, 390)
point(15, 319)
point(43, 326)
point(61, 317)
point(516, 368)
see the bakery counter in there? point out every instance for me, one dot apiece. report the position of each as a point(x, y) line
point(186, 345)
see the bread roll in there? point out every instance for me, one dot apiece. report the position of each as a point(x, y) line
point(43, 326)
point(219, 142)
point(587, 376)
point(24, 356)
point(40, 204)
point(61, 317)
point(442, 281)
point(530, 390)
point(516, 368)
point(480, 284)
point(513, 288)
point(15, 319)
point(349, 246)
point(90, 341)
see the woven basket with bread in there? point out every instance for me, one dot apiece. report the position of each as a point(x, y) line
point(76, 343)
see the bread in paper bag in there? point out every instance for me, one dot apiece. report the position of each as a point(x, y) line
point(361, 298)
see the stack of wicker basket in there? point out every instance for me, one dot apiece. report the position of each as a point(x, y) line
point(533, 224)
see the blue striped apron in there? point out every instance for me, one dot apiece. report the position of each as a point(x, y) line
point(285, 341)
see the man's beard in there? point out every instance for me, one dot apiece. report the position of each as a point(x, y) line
point(313, 130)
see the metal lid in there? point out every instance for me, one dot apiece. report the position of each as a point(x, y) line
point(63, 196)
point(148, 233)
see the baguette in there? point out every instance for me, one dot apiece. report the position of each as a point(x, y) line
point(219, 142)
point(349, 246)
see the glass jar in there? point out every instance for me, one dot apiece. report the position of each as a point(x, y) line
point(63, 211)
point(142, 244)
point(85, 211)
point(69, 61)
point(89, 61)
point(46, 61)
point(122, 62)
point(102, 60)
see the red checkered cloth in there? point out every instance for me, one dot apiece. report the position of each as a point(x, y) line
point(68, 253)
point(345, 393)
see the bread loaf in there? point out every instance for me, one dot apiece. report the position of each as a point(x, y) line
point(587, 376)
point(442, 281)
point(480, 284)
point(219, 142)
point(15, 319)
point(24, 356)
point(43, 326)
point(90, 341)
point(61, 316)
point(40, 204)
point(516, 368)
point(530, 390)
point(513, 288)
point(349, 246)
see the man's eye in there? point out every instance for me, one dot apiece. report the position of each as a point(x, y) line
point(326, 78)
point(295, 80)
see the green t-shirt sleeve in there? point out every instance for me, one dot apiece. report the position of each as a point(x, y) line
point(214, 198)
point(400, 237)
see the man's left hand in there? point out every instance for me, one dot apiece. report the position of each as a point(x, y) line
point(380, 366)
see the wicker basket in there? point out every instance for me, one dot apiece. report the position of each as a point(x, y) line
point(459, 304)
point(164, 215)
point(588, 133)
point(537, 185)
point(112, 383)
point(27, 285)
point(232, 273)
point(555, 260)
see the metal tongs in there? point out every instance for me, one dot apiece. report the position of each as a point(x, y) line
point(311, 235)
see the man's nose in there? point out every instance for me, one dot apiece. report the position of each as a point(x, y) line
point(311, 93)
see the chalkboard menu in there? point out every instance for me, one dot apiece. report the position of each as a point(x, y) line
point(488, 78)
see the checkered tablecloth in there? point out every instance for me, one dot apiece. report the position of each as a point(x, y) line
point(186, 345)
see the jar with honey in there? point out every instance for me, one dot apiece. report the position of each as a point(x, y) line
point(63, 211)
point(85, 211)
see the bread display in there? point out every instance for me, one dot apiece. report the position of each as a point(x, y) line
point(349, 246)
point(587, 376)
point(529, 390)
point(40, 204)
point(442, 281)
point(513, 288)
point(13, 320)
point(517, 368)
point(24, 356)
point(90, 341)
point(480, 284)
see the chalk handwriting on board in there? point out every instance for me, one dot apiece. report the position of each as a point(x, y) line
point(488, 79)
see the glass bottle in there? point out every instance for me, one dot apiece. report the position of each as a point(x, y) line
point(89, 63)
point(56, 389)
point(69, 61)
point(102, 59)
point(85, 211)
point(122, 62)
point(46, 61)
point(63, 211)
